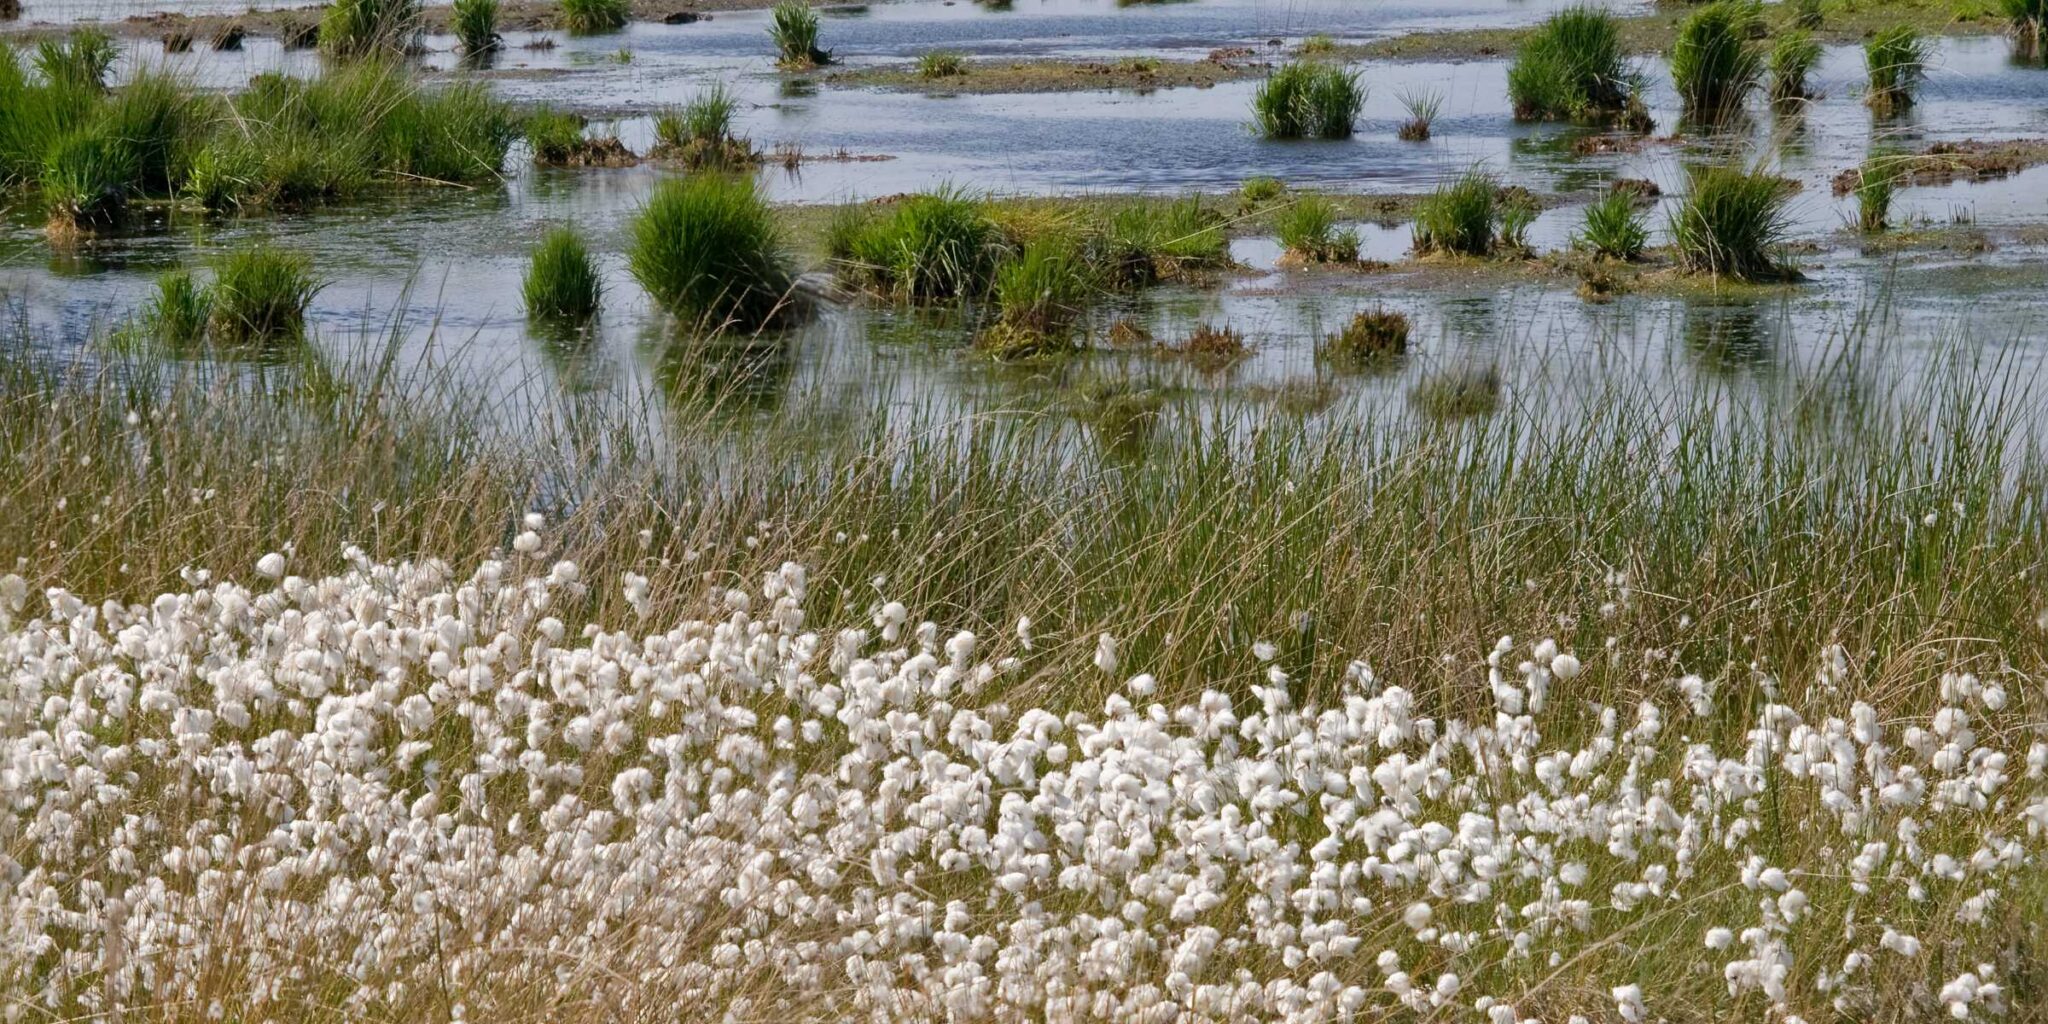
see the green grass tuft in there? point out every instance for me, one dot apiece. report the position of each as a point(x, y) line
point(1713, 65)
point(708, 249)
point(1039, 296)
point(1150, 241)
point(1260, 189)
point(1877, 183)
point(476, 26)
point(562, 283)
point(934, 246)
point(1571, 69)
point(794, 27)
point(941, 64)
point(1308, 231)
point(1614, 229)
point(362, 28)
point(587, 17)
point(85, 180)
point(1792, 59)
point(1897, 59)
point(700, 133)
point(1732, 222)
point(1308, 101)
point(1423, 106)
point(1807, 15)
point(80, 60)
point(1458, 219)
point(178, 313)
point(259, 294)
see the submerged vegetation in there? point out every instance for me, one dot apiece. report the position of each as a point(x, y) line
point(1308, 100)
point(1732, 222)
point(1372, 337)
point(1571, 69)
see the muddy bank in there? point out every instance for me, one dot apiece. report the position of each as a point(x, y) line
point(989, 77)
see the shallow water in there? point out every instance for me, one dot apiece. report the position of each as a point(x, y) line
point(446, 267)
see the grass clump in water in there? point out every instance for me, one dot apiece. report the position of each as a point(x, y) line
point(1877, 184)
point(85, 182)
point(2029, 23)
point(1732, 223)
point(1261, 189)
point(1792, 60)
point(1320, 44)
point(1039, 295)
point(1304, 100)
point(1308, 232)
point(1897, 60)
point(1614, 229)
point(360, 28)
point(707, 248)
point(1807, 15)
point(1423, 106)
point(588, 17)
point(938, 245)
point(260, 294)
point(1458, 393)
point(476, 27)
point(1571, 69)
point(1458, 219)
point(79, 61)
point(941, 64)
point(562, 283)
point(1151, 241)
point(178, 313)
point(700, 133)
point(794, 27)
point(1713, 65)
point(1374, 336)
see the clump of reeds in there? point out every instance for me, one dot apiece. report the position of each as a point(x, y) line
point(587, 17)
point(1571, 68)
point(700, 133)
point(1308, 100)
point(2028, 21)
point(1261, 189)
point(1320, 44)
point(476, 27)
point(1877, 183)
point(932, 246)
point(941, 64)
point(1614, 228)
point(1714, 66)
point(1372, 336)
point(1897, 60)
point(1807, 15)
point(1308, 232)
point(793, 25)
point(707, 249)
point(259, 294)
point(78, 61)
point(562, 284)
point(358, 28)
point(1149, 241)
point(1459, 218)
point(178, 312)
point(1792, 60)
point(1039, 295)
point(1212, 345)
point(85, 181)
point(1423, 106)
point(1732, 222)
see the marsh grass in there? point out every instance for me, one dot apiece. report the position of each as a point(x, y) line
point(1374, 337)
point(1147, 242)
point(85, 182)
point(1877, 184)
point(364, 28)
point(78, 61)
point(1732, 222)
point(1423, 106)
point(1714, 66)
point(1210, 346)
point(937, 245)
point(1571, 69)
point(1040, 295)
point(1318, 45)
point(1460, 392)
point(178, 311)
point(2028, 22)
point(1614, 228)
point(1308, 232)
point(1897, 61)
point(1807, 15)
point(709, 251)
point(1308, 100)
point(793, 25)
point(1458, 218)
point(562, 282)
point(475, 24)
point(941, 64)
point(590, 17)
point(1792, 59)
point(700, 133)
point(1260, 189)
point(259, 295)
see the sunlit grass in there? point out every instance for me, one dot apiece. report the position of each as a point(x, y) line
point(1308, 100)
